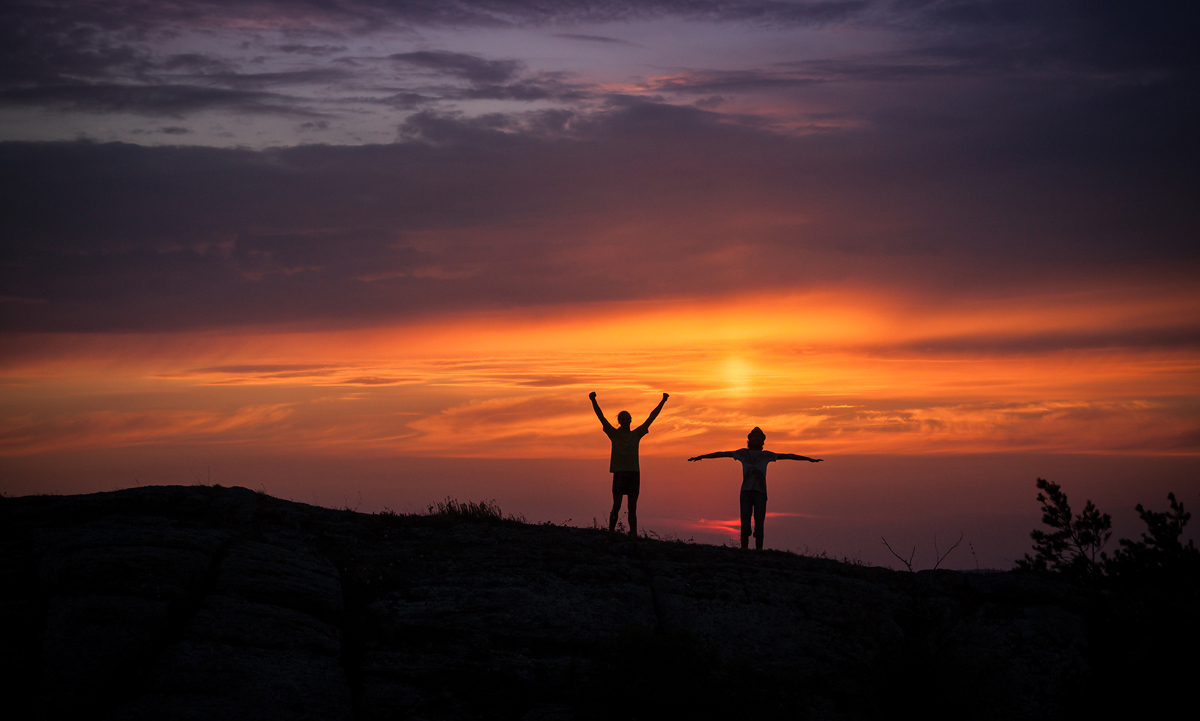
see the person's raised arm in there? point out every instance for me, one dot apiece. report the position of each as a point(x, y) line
point(718, 454)
point(794, 457)
point(657, 409)
point(599, 413)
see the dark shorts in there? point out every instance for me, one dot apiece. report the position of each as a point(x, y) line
point(627, 483)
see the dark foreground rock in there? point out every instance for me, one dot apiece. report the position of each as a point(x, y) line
point(221, 603)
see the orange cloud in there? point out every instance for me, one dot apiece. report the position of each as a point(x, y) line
point(831, 372)
point(104, 429)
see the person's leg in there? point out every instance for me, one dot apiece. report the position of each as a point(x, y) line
point(760, 515)
point(746, 504)
point(633, 514)
point(618, 490)
point(633, 487)
point(616, 509)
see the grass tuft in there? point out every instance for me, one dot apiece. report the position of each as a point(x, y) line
point(488, 511)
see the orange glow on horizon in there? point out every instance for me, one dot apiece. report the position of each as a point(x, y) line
point(830, 372)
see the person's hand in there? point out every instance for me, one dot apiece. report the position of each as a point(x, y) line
point(697, 458)
point(665, 396)
point(592, 395)
point(816, 460)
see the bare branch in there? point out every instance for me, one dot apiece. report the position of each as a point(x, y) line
point(942, 557)
point(907, 563)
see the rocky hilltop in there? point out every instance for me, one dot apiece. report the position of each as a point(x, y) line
point(221, 603)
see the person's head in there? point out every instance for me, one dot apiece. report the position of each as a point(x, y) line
point(756, 439)
point(624, 419)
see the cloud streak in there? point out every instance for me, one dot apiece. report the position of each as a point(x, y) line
point(172, 101)
point(642, 200)
point(113, 58)
point(515, 385)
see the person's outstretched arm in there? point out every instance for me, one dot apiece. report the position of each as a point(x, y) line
point(718, 454)
point(794, 457)
point(654, 413)
point(599, 413)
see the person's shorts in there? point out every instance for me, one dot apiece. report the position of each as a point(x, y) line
point(627, 483)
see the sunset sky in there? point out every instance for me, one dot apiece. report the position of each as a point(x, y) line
point(370, 254)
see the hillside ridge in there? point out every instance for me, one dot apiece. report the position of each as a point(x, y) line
point(208, 602)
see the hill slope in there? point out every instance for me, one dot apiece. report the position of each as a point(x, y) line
point(221, 603)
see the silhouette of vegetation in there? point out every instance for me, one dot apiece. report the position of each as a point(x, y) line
point(1073, 545)
point(1147, 610)
point(906, 561)
point(485, 511)
point(810, 552)
point(1160, 557)
point(938, 556)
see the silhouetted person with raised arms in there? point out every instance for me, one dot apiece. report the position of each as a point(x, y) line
point(627, 475)
point(754, 480)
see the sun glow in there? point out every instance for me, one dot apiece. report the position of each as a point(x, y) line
point(840, 372)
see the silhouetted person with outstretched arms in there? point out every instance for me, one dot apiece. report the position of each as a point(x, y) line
point(627, 475)
point(754, 480)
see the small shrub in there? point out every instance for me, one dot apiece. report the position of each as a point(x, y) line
point(1160, 555)
point(1073, 545)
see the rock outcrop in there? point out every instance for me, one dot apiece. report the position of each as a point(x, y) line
point(222, 603)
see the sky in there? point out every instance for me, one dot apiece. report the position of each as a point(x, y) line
point(372, 254)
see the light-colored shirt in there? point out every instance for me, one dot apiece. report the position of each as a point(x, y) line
point(754, 468)
point(624, 448)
